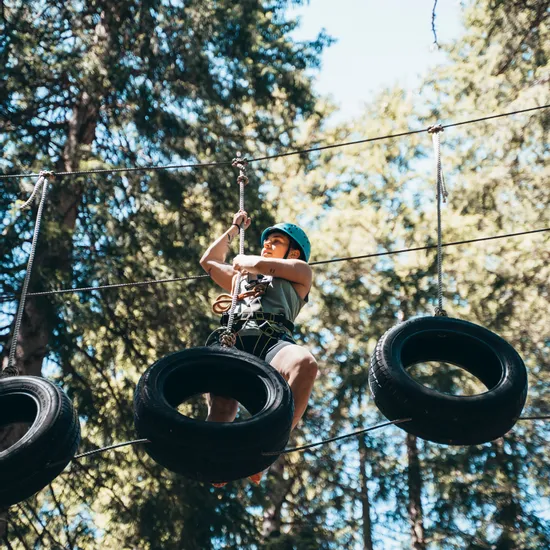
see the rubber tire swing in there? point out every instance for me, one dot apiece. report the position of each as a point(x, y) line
point(439, 417)
point(213, 451)
point(50, 443)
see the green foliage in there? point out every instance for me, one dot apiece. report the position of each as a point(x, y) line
point(92, 84)
point(99, 84)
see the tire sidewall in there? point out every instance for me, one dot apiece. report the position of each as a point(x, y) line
point(46, 396)
point(213, 451)
point(156, 419)
point(50, 443)
point(433, 413)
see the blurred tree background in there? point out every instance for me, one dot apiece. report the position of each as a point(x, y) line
point(93, 84)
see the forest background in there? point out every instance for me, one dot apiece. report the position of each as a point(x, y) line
point(97, 84)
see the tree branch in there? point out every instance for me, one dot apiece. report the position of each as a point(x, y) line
point(435, 42)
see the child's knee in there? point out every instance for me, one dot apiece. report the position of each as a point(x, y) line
point(223, 405)
point(307, 366)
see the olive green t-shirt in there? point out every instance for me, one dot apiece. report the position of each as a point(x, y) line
point(280, 297)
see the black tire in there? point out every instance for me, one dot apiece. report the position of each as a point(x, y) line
point(49, 445)
point(213, 451)
point(438, 417)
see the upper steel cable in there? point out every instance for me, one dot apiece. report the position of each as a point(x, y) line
point(279, 155)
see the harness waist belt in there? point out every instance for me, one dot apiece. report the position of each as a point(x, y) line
point(278, 318)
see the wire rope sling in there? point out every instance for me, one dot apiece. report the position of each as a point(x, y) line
point(215, 451)
point(437, 416)
point(36, 458)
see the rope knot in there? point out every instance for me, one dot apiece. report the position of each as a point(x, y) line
point(440, 312)
point(435, 129)
point(11, 370)
point(46, 174)
point(239, 162)
point(228, 339)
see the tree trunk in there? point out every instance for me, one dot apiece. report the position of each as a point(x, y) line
point(509, 514)
point(271, 527)
point(415, 493)
point(365, 502)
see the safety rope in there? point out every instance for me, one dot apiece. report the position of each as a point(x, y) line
point(9, 297)
point(11, 369)
point(441, 194)
point(223, 302)
point(279, 155)
point(228, 338)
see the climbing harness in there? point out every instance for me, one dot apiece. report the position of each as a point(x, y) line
point(262, 316)
point(255, 289)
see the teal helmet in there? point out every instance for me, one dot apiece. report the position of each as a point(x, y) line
point(294, 232)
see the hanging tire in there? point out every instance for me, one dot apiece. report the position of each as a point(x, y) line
point(439, 417)
point(213, 451)
point(46, 448)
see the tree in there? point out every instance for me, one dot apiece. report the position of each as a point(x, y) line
point(98, 84)
point(381, 197)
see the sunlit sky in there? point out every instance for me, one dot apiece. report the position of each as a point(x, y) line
point(379, 43)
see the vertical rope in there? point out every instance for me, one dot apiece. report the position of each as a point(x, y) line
point(441, 194)
point(228, 338)
point(11, 369)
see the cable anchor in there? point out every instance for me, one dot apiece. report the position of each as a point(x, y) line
point(42, 177)
point(435, 129)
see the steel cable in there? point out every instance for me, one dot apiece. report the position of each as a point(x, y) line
point(11, 368)
point(278, 155)
point(9, 297)
point(285, 451)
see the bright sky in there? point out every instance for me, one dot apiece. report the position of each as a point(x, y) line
point(379, 43)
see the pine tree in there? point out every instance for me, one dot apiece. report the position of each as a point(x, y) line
point(95, 85)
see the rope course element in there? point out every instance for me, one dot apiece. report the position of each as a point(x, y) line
point(285, 451)
point(11, 368)
point(279, 155)
point(110, 448)
point(228, 338)
point(441, 194)
point(8, 297)
point(337, 438)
